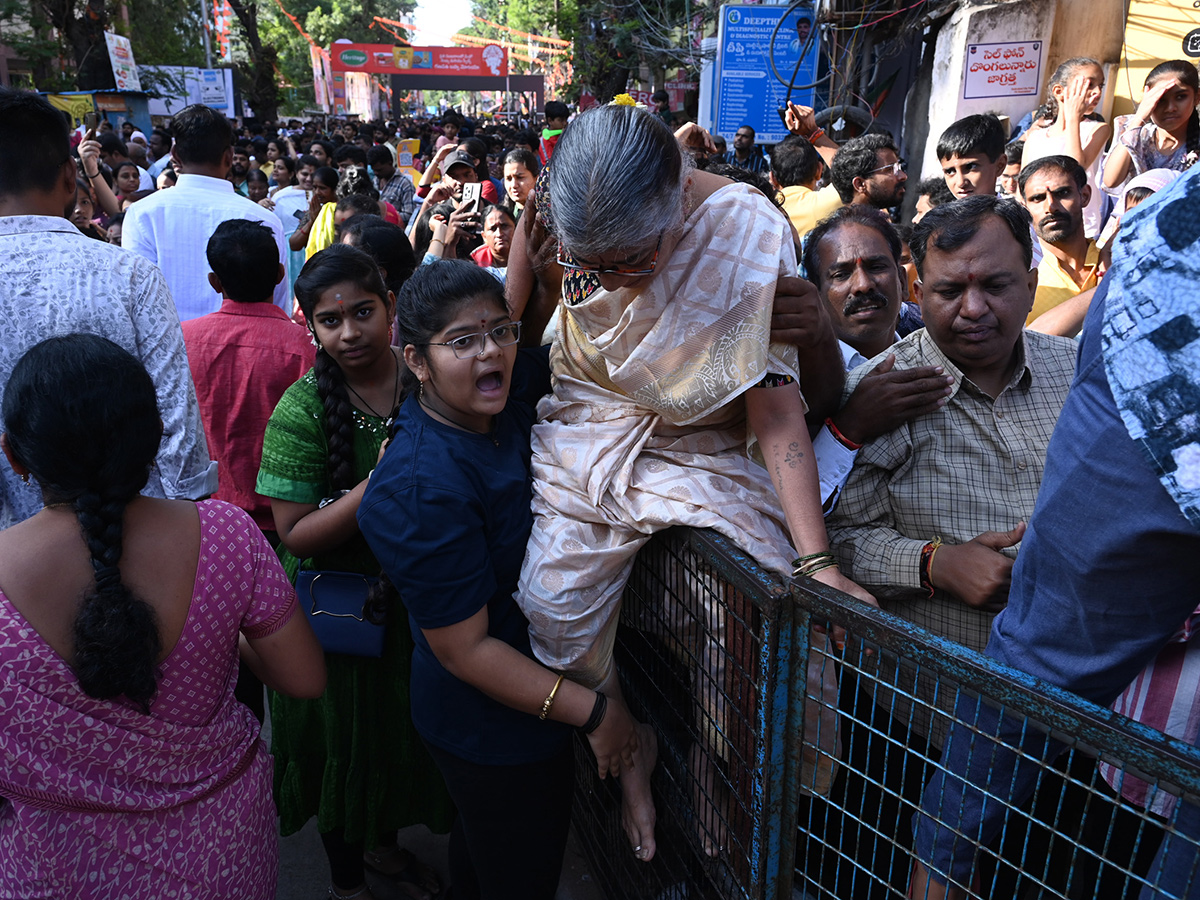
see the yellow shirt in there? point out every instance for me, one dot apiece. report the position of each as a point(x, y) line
point(1056, 284)
point(806, 207)
point(322, 232)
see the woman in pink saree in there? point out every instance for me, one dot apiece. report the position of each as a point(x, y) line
point(127, 768)
point(670, 404)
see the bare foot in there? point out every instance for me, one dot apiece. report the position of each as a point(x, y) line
point(637, 805)
point(711, 799)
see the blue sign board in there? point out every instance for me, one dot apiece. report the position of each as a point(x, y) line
point(748, 93)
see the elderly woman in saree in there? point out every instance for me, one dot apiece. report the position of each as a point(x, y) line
point(670, 404)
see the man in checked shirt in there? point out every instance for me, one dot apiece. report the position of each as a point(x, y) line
point(931, 515)
point(932, 512)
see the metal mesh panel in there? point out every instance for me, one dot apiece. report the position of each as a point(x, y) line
point(702, 658)
point(902, 691)
point(726, 666)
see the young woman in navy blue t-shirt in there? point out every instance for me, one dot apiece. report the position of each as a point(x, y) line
point(447, 513)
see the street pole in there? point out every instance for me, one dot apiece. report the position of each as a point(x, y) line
point(204, 31)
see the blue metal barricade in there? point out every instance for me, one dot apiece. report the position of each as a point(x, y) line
point(725, 663)
point(703, 652)
point(902, 690)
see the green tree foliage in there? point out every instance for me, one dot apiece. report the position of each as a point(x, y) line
point(325, 21)
point(167, 32)
point(549, 18)
point(46, 31)
point(616, 39)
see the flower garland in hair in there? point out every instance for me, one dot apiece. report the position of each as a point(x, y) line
point(626, 100)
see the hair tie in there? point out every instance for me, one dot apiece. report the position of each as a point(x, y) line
point(108, 578)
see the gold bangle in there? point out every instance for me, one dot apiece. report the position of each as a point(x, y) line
point(808, 566)
point(549, 701)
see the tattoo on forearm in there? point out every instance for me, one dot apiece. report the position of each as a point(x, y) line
point(794, 455)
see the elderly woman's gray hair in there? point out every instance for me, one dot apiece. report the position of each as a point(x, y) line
point(616, 181)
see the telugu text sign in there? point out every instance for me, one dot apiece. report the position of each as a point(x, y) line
point(385, 58)
point(1010, 69)
point(748, 93)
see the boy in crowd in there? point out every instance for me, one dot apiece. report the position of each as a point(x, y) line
point(243, 357)
point(972, 156)
point(556, 120)
point(971, 153)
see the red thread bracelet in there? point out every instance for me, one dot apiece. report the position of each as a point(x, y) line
point(842, 439)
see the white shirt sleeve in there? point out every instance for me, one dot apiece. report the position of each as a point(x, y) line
point(283, 292)
point(183, 469)
point(834, 462)
point(137, 235)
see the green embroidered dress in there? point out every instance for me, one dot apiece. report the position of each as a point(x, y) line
point(352, 757)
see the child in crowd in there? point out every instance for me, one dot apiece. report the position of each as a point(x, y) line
point(448, 514)
point(242, 358)
point(971, 153)
point(1073, 130)
point(972, 156)
point(556, 121)
point(1164, 132)
point(1007, 185)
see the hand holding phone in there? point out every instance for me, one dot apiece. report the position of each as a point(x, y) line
point(472, 194)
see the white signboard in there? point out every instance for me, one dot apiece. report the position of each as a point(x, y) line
point(120, 52)
point(212, 88)
point(1009, 69)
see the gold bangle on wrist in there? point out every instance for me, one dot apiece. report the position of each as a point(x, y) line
point(549, 701)
point(810, 565)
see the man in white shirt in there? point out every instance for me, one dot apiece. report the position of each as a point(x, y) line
point(171, 228)
point(55, 280)
point(853, 258)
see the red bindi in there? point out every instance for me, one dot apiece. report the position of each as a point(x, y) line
point(970, 276)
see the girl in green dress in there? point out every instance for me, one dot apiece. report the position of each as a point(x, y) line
point(351, 757)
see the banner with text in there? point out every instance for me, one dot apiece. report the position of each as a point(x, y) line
point(749, 92)
point(120, 53)
point(384, 58)
point(1008, 69)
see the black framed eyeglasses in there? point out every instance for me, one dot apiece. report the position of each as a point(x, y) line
point(468, 345)
point(623, 271)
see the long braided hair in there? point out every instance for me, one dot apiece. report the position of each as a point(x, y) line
point(62, 394)
point(337, 264)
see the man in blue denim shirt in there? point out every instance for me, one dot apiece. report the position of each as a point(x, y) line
point(1110, 563)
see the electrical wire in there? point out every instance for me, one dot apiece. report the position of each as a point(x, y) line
point(813, 34)
point(890, 15)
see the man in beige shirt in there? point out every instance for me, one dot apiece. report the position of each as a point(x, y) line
point(932, 512)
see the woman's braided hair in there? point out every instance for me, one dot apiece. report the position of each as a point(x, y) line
point(62, 394)
point(337, 264)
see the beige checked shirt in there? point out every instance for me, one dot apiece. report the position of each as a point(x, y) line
point(973, 466)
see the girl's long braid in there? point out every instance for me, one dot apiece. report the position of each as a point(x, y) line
point(339, 423)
